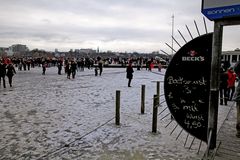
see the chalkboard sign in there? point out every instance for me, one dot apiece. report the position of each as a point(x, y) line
point(187, 85)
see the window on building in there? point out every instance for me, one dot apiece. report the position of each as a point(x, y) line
point(234, 58)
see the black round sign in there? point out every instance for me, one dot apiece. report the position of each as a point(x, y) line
point(187, 85)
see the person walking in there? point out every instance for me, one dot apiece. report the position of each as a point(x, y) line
point(129, 73)
point(10, 72)
point(151, 66)
point(59, 65)
point(82, 63)
point(68, 69)
point(2, 73)
point(223, 90)
point(100, 66)
point(159, 66)
point(231, 83)
point(44, 67)
point(73, 68)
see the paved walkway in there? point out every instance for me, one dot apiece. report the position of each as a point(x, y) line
point(228, 145)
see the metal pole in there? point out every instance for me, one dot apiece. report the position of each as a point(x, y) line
point(205, 24)
point(117, 117)
point(158, 92)
point(143, 100)
point(155, 113)
point(176, 42)
point(214, 83)
point(238, 120)
point(172, 30)
point(189, 32)
point(182, 36)
point(196, 27)
point(158, 88)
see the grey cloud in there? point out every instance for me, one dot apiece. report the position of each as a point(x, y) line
point(106, 20)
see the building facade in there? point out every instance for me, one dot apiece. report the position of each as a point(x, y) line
point(3, 51)
point(18, 49)
point(231, 56)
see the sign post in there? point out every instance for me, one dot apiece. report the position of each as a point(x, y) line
point(222, 12)
point(214, 85)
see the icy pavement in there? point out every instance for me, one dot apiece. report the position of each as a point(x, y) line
point(52, 117)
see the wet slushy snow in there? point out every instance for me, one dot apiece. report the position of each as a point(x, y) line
point(52, 117)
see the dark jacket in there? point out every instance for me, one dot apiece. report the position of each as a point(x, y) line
point(10, 70)
point(73, 67)
point(2, 70)
point(129, 72)
point(223, 78)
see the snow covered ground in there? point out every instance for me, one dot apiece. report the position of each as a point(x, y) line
point(52, 117)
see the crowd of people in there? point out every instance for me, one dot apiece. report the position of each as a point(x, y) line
point(227, 84)
point(72, 65)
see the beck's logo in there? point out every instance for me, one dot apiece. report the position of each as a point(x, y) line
point(193, 57)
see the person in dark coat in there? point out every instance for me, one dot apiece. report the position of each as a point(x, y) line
point(44, 67)
point(2, 73)
point(59, 65)
point(129, 73)
point(100, 65)
point(68, 69)
point(223, 87)
point(82, 63)
point(10, 72)
point(73, 68)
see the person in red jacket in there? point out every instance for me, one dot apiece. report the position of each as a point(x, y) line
point(231, 83)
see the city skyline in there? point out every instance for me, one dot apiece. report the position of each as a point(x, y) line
point(133, 25)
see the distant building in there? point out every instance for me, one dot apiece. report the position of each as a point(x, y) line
point(231, 56)
point(3, 51)
point(87, 51)
point(18, 49)
point(77, 50)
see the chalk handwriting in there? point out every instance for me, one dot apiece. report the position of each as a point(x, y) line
point(188, 91)
point(170, 95)
point(192, 108)
point(175, 107)
point(182, 100)
point(192, 124)
point(194, 117)
point(182, 81)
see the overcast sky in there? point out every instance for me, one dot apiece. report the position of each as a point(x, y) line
point(117, 25)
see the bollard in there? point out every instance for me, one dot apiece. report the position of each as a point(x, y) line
point(158, 91)
point(117, 116)
point(158, 88)
point(155, 112)
point(238, 119)
point(143, 100)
